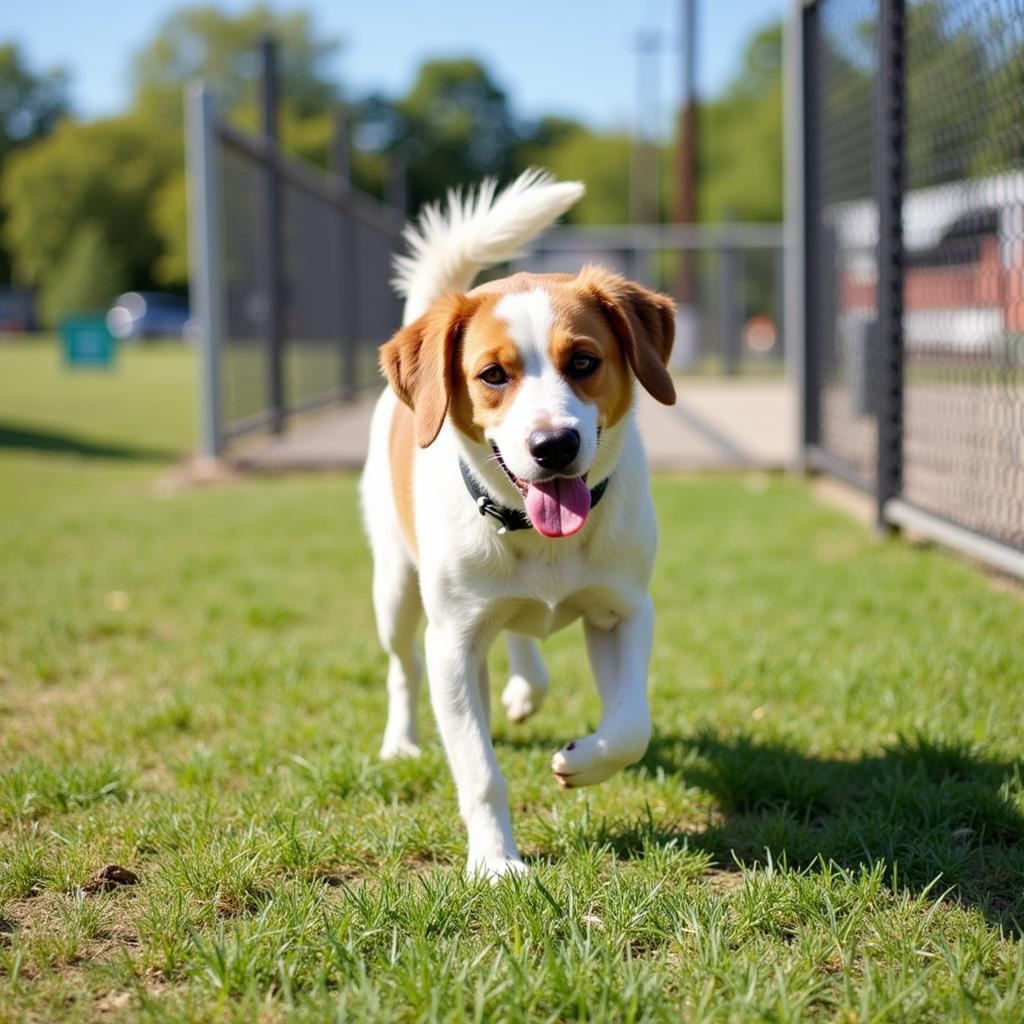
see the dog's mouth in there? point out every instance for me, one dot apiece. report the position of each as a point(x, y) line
point(558, 506)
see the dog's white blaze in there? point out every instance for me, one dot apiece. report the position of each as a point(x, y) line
point(545, 398)
point(530, 318)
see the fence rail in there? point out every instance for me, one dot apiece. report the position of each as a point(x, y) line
point(727, 279)
point(910, 153)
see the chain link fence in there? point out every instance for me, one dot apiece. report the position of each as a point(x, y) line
point(913, 193)
point(291, 270)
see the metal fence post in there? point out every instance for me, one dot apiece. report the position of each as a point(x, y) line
point(732, 300)
point(889, 183)
point(794, 270)
point(272, 213)
point(204, 240)
point(345, 248)
point(805, 298)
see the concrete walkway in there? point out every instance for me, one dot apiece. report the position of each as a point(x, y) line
point(717, 424)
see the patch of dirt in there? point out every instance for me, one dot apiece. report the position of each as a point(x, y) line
point(40, 918)
point(337, 875)
point(109, 878)
point(198, 471)
point(112, 1002)
point(721, 880)
point(858, 504)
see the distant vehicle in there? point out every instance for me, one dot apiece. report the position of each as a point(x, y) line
point(150, 315)
point(17, 310)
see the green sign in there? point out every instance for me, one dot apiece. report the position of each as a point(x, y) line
point(87, 341)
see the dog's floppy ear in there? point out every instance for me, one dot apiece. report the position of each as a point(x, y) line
point(643, 321)
point(419, 362)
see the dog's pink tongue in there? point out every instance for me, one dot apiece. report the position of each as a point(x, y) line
point(559, 507)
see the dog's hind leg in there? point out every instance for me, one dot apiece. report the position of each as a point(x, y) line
point(527, 678)
point(397, 605)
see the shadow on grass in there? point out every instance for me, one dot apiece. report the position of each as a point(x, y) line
point(926, 808)
point(13, 435)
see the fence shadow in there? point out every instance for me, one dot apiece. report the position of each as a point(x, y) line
point(932, 807)
point(14, 435)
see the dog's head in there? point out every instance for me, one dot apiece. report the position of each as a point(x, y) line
point(536, 367)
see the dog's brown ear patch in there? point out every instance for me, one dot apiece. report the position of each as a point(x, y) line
point(420, 359)
point(644, 322)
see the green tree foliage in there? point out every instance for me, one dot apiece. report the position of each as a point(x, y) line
point(222, 48)
point(127, 175)
point(105, 173)
point(31, 104)
point(453, 127)
point(88, 275)
point(956, 132)
point(739, 154)
point(601, 161)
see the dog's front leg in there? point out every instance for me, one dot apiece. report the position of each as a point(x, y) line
point(453, 672)
point(619, 657)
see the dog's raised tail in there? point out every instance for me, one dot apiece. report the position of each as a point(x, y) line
point(449, 246)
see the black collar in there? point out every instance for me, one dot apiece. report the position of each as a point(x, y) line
point(511, 518)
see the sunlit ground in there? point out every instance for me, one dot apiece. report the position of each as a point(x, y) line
point(828, 824)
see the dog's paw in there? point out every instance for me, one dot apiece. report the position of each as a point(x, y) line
point(521, 699)
point(590, 760)
point(398, 746)
point(494, 869)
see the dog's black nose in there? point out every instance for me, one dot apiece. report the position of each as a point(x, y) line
point(554, 449)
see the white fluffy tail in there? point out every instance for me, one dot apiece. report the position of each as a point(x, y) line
point(448, 248)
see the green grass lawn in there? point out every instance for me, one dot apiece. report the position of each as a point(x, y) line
point(143, 408)
point(828, 824)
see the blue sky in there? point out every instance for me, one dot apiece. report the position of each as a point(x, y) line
point(574, 57)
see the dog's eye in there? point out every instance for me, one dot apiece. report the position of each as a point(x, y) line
point(494, 375)
point(583, 365)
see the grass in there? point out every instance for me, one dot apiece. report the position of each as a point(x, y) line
point(828, 824)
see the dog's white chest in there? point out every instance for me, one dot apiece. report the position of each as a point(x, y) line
point(535, 618)
point(597, 604)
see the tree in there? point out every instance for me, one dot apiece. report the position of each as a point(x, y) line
point(454, 127)
point(88, 276)
point(602, 162)
point(127, 174)
point(31, 104)
point(222, 48)
point(739, 157)
point(105, 173)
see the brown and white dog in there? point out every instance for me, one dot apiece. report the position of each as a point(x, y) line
point(506, 489)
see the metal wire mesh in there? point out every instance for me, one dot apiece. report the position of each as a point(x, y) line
point(963, 223)
point(844, 272)
point(312, 286)
point(244, 358)
point(331, 274)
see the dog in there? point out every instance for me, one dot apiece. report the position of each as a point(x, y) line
point(506, 490)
